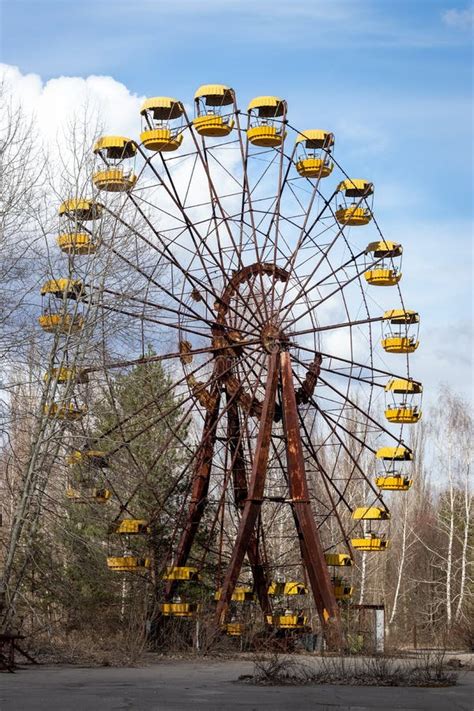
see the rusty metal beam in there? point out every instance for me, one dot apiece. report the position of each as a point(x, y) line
point(256, 487)
point(200, 481)
point(239, 477)
point(310, 543)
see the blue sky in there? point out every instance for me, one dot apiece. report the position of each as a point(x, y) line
point(392, 79)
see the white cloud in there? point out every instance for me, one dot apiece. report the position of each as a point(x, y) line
point(56, 103)
point(459, 19)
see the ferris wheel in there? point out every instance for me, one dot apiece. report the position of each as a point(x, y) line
point(290, 345)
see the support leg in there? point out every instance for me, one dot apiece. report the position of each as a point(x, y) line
point(253, 503)
point(311, 548)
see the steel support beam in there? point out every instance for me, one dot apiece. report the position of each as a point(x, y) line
point(200, 482)
point(239, 477)
point(310, 543)
point(256, 487)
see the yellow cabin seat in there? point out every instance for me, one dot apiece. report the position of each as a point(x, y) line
point(240, 594)
point(338, 559)
point(314, 167)
point(353, 216)
point(127, 563)
point(114, 180)
point(100, 496)
point(370, 513)
point(90, 457)
point(399, 344)
point(180, 609)
point(289, 588)
point(370, 543)
point(64, 288)
point(76, 243)
point(161, 140)
point(266, 136)
point(213, 125)
point(66, 411)
point(395, 454)
point(234, 629)
point(79, 209)
point(175, 572)
point(64, 323)
point(383, 277)
point(403, 415)
point(393, 482)
point(129, 527)
point(65, 375)
point(342, 591)
point(286, 622)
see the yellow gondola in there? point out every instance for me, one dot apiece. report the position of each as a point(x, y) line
point(370, 543)
point(342, 591)
point(404, 412)
point(62, 323)
point(64, 288)
point(66, 375)
point(114, 150)
point(128, 563)
point(338, 559)
point(162, 130)
point(287, 622)
point(180, 609)
point(129, 527)
point(382, 277)
point(397, 338)
point(266, 116)
point(370, 513)
point(240, 594)
point(79, 243)
point(80, 209)
point(394, 454)
point(313, 161)
point(393, 482)
point(355, 214)
point(234, 629)
point(290, 587)
point(65, 411)
point(99, 496)
point(176, 572)
point(91, 457)
point(209, 100)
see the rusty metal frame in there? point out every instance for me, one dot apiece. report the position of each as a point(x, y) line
point(256, 487)
point(310, 543)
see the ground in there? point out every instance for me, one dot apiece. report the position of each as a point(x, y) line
point(208, 685)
